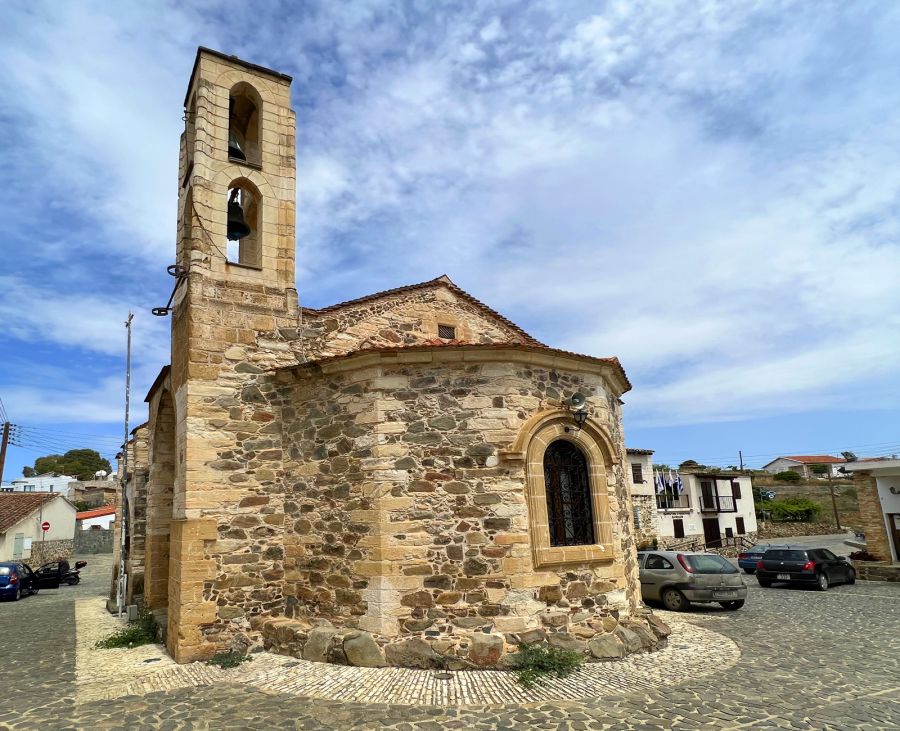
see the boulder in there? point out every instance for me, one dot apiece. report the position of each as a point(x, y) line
point(565, 641)
point(317, 644)
point(631, 641)
point(648, 638)
point(606, 647)
point(412, 653)
point(485, 650)
point(362, 650)
point(660, 628)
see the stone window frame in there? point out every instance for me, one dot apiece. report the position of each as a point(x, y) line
point(537, 434)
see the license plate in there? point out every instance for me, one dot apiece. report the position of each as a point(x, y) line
point(784, 577)
point(725, 594)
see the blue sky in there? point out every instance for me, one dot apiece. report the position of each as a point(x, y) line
point(707, 190)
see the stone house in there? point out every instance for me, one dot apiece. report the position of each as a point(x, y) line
point(22, 537)
point(639, 472)
point(877, 483)
point(403, 478)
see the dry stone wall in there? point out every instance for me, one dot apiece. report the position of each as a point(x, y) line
point(403, 519)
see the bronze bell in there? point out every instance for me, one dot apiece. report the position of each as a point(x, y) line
point(234, 149)
point(237, 226)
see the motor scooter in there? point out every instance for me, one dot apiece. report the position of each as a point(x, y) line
point(73, 576)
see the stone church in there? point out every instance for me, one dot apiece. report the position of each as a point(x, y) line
point(407, 478)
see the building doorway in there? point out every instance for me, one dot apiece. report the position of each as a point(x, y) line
point(711, 534)
point(678, 527)
point(894, 525)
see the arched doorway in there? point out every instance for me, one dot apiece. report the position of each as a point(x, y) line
point(161, 489)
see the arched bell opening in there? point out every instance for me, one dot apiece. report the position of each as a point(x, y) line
point(244, 105)
point(243, 227)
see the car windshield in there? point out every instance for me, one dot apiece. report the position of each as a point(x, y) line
point(785, 555)
point(5, 570)
point(710, 564)
point(759, 548)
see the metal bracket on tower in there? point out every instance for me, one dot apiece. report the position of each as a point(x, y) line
point(180, 273)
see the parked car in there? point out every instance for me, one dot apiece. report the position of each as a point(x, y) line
point(750, 558)
point(17, 580)
point(816, 567)
point(678, 579)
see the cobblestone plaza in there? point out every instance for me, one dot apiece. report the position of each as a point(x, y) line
point(790, 658)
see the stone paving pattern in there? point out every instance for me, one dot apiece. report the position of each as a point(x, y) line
point(808, 660)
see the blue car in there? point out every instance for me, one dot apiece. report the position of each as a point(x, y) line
point(18, 580)
point(749, 559)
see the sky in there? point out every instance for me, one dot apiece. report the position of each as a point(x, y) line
point(708, 191)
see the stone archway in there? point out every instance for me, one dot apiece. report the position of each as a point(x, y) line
point(160, 493)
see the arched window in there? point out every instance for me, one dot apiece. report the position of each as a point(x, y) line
point(569, 512)
point(243, 125)
point(244, 218)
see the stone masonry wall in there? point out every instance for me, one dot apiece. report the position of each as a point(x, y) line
point(871, 515)
point(403, 519)
point(45, 551)
point(406, 318)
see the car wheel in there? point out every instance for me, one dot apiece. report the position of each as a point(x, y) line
point(750, 571)
point(18, 594)
point(851, 576)
point(674, 600)
point(764, 583)
point(737, 604)
point(822, 582)
point(34, 591)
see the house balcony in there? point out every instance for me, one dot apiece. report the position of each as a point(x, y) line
point(667, 502)
point(717, 504)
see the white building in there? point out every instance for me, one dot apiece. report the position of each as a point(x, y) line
point(21, 535)
point(879, 508)
point(96, 519)
point(48, 482)
point(803, 464)
point(711, 507)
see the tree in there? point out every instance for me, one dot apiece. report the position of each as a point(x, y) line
point(787, 476)
point(79, 463)
point(28, 472)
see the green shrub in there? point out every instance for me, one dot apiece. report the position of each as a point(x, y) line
point(533, 662)
point(788, 476)
point(228, 659)
point(793, 509)
point(143, 631)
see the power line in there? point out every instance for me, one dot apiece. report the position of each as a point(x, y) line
point(65, 433)
point(4, 417)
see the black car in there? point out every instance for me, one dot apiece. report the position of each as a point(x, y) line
point(816, 567)
point(18, 580)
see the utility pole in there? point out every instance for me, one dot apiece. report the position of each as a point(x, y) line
point(123, 529)
point(837, 520)
point(3, 444)
point(741, 459)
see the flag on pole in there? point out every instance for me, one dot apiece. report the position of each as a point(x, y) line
point(658, 481)
point(679, 484)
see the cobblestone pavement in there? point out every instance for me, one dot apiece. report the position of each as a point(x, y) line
point(808, 660)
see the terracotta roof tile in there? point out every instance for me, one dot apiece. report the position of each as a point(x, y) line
point(816, 459)
point(14, 506)
point(96, 512)
point(437, 343)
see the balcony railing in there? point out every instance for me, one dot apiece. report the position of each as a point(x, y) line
point(665, 501)
point(717, 504)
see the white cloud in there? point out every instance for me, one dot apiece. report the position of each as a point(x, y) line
point(707, 190)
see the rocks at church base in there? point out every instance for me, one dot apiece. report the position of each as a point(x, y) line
point(485, 650)
point(631, 641)
point(606, 647)
point(660, 628)
point(565, 641)
point(318, 644)
point(361, 650)
point(413, 653)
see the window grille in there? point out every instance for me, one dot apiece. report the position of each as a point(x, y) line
point(569, 510)
point(447, 332)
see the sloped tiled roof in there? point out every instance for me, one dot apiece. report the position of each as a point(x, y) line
point(632, 450)
point(14, 506)
point(438, 343)
point(441, 280)
point(96, 512)
point(816, 459)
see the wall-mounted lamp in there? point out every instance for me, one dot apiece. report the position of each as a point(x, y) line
point(576, 404)
point(894, 490)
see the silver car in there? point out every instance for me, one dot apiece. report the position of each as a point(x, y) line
point(677, 579)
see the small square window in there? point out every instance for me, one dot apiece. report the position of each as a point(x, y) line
point(447, 332)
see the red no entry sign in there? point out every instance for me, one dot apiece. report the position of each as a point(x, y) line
point(45, 526)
